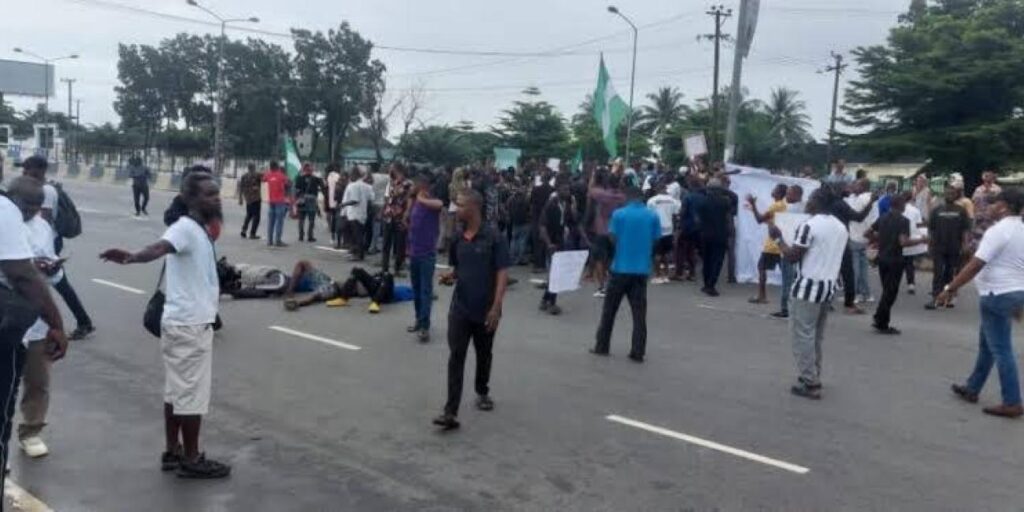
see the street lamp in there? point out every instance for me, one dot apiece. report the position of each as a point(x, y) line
point(46, 63)
point(218, 130)
point(632, 79)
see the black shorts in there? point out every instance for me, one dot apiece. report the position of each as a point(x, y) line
point(770, 261)
point(601, 248)
point(664, 245)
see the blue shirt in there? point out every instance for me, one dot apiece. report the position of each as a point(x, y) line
point(636, 229)
point(884, 204)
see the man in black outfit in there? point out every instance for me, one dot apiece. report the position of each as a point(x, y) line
point(559, 231)
point(892, 233)
point(479, 260)
point(715, 213)
point(949, 228)
point(539, 195)
point(839, 209)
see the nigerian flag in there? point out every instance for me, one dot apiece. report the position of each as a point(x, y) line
point(292, 164)
point(609, 109)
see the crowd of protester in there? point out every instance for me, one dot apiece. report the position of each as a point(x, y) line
point(640, 224)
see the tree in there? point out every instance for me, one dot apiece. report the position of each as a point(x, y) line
point(438, 145)
point(666, 109)
point(587, 135)
point(141, 99)
point(946, 85)
point(787, 114)
point(337, 77)
point(535, 127)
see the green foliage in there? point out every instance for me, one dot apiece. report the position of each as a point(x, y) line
point(947, 85)
point(586, 134)
point(534, 126)
point(437, 145)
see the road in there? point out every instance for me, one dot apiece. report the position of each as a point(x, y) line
point(707, 423)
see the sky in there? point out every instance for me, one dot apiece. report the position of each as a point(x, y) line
point(792, 45)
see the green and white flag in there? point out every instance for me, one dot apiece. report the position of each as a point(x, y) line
point(576, 166)
point(292, 164)
point(609, 109)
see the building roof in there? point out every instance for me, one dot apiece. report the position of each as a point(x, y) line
point(367, 154)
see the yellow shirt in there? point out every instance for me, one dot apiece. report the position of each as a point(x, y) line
point(779, 206)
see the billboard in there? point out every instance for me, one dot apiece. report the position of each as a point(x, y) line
point(25, 78)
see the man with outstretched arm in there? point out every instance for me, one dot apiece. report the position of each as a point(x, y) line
point(186, 326)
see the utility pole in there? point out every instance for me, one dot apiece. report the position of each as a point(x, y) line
point(837, 68)
point(67, 139)
point(720, 13)
point(744, 39)
point(78, 122)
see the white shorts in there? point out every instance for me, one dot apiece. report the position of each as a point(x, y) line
point(188, 365)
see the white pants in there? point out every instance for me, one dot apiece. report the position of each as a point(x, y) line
point(188, 364)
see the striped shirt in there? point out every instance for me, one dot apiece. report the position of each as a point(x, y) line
point(824, 239)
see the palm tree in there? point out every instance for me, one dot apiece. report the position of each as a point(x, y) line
point(666, 109)
point(789, 121)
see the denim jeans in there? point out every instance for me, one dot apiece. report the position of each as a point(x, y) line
point(859, 252)
point(520, 236)
point(995, 345)
point(275, 223)
point(788, 273)
point(421, 273)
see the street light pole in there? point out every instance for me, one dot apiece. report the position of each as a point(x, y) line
point(632, 81)
point(218, 129)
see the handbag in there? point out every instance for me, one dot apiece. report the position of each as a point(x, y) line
point(155, 307)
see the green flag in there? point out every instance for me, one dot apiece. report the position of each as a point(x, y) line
point(576, 166)
point(609, 109)
point(292, 164)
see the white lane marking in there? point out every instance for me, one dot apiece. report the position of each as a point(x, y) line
point(326, 341)
point(331, 249)
point(733, 311)
point(538, 281)
point(119, 286)
point(709, 444)
point(22, 500)
point(85, 209)
point(442, 266)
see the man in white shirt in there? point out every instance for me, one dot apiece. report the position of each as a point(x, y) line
point(918, 228)
point(818, 248)
point(333, 175)
point(24, 297)
point(667, 208)
point(998, 271)
point(858, 200)
point(186, 327)
point(356, 202)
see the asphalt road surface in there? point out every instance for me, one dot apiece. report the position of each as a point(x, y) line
point(707, 423)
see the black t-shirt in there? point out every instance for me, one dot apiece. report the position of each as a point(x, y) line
point(715, 214)
point(946, 226)
point(539, 196)
point(519, 207)
point(889, 227)
point(476, 264)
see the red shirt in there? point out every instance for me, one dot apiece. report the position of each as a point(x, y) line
point(277, 186)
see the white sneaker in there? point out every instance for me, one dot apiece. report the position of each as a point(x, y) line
point(858, 299)
point(869, 299)
point(599, 293)
point(34, 447)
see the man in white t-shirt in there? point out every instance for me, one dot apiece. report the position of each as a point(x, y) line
point(818, 247)
point(35, 167)
point(997, 269)
point(356, 204)
point(858, 200)
point(186, 327)
point(24, 297)
point(918, 229)
point(667, 208)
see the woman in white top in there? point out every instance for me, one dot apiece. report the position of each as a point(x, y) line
point(998, 271)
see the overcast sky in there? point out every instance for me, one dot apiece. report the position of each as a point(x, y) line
point(793, 41)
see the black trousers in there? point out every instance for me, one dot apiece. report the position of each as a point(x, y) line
point(849, 285)
point(12, 361)
point(309, 218)
point(890, 273)
point(713, 253)
point(634, 288)
point(371, 212)
point(394, 244)
point(540, 252)
point(252, 215)
point(140, 192)
point(908, 267)
point(946, 267)
point(355, 229)
point(74, 303)
point(382, 292)
point(462, 331)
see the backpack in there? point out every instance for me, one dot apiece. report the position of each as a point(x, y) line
point(67, 224)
